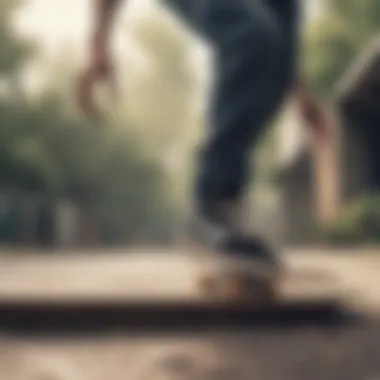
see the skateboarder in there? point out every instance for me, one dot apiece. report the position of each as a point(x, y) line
point(255, 44)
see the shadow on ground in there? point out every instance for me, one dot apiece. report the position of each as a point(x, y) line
point(296, 342)
point(93, 319)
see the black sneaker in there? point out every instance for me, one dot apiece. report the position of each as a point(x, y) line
point(248, 253)
point(219, 231)
point(213, 226)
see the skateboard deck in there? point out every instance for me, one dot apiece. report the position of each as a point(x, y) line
point(239, 288)
point(235, 279)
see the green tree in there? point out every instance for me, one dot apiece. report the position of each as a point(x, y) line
point(47, 147)
point(15, 50)
point(333, 41)
point(22, 163)
point(163, 94)
point(166, 97)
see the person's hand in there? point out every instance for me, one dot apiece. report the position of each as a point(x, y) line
point(314, 115)
point(316, 118)
point(98, 70)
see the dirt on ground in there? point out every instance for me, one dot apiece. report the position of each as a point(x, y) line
point(290, 349)
point(349, 353)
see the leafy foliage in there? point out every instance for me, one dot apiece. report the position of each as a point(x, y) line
point(358, 222)
point(332, 42)
point(46, 147)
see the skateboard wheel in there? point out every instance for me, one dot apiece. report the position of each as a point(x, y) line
point(207, 284)
point(235, 288)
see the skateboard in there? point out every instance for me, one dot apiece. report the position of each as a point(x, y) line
point(236, 279)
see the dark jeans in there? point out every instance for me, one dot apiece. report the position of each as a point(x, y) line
point(255, 44)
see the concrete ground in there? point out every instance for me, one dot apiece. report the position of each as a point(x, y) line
point(320, 350)
point(161, 275)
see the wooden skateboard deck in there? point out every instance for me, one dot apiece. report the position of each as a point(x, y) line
point(235, 279)
point(239, 287)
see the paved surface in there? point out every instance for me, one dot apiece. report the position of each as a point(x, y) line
point(350, 353)
point(298, 351)
point(159, 275)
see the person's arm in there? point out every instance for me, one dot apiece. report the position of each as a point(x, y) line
point(103, 21)
point(100, 66)
point(313, 113)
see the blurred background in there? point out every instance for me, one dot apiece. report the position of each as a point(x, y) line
point(68, 183)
